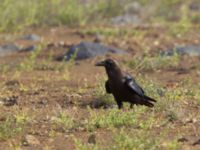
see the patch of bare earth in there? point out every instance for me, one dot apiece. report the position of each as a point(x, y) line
point(44, 92)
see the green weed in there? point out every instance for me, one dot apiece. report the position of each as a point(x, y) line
point(153, 63)
point(12, 126)
point(182, 26)
point(111, 118)
point(79, 145)
point(139, 140)
point(29, 63)
point(63, 121)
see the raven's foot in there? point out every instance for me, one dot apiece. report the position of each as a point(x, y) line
point(120, 105)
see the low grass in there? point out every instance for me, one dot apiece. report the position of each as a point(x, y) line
point(131, 139)
point(131, 128)
point(153, 63)
point(29, 63)
point(79, 145)
point(13, 125)
point(110, 119)
point(135, 140)
point(115, 32)
point(63, 121)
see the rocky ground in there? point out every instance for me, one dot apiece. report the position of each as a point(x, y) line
point(49, 103)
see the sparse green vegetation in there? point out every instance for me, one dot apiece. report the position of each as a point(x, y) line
point(13, 125)
point(135, 140)
point(64, 121)
point(30, 62)
point(82, 146)
point(110, 119)
point(132, 140)
point(154, 63)
point(64, 104)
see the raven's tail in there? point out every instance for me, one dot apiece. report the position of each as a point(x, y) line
point(148, 101)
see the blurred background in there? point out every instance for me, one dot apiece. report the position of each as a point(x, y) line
point(15, 15)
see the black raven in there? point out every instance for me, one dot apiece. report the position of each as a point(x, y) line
point(123, 86)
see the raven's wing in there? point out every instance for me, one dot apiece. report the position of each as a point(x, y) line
point(130, 82)
point(107, 86)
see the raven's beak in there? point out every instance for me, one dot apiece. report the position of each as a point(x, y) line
point(102, 63)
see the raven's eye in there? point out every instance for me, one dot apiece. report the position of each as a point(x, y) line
point(110, 63)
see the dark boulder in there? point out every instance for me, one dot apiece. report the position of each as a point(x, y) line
point(86, 50)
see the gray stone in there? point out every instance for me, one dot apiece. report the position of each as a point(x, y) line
point(8, 48)
point(12, 48)
point(194, 6)
point(29, 48)
point(126, 19)
point(191, 50)
point(30, 140)
point(31, 37)
point(86, 50)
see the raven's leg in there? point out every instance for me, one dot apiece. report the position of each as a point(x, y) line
point(131, 105)
point(120, 105)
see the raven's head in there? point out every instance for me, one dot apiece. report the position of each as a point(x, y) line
point(108, 64)
point(112, 69)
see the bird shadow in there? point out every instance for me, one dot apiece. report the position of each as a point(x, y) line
point(98, 104)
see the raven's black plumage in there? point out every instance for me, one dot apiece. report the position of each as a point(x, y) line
point(123, 86)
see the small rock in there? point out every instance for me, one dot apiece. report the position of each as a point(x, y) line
point(98, 38)
point(28, 48)
point(191, 120)
point(30, 140)
point(126, 19)
point(51, 45)
point(194, 6)
point(156, 43)
point(12, 83)
point(8, 49)
point(92, 139)
point(43, 102)
point(182, 71)
point(196, 143)
point(9, 101)
point(31, 37)
point(63, 44)
point(183, 139)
